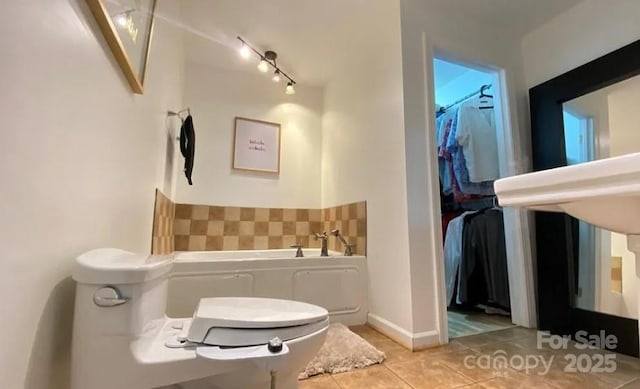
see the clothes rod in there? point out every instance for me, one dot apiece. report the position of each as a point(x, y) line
point(467, 97)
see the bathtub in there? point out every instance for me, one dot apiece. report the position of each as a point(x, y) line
point(337, 283)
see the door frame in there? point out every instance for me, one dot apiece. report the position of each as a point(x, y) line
point(517, 223)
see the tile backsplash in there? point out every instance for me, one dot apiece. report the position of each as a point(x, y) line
point(163, 239)
point(351, 220)
point(213, 228)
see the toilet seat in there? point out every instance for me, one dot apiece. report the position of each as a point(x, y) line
point(250, 321)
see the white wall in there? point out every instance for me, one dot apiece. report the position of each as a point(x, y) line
point(624, 137)
point(427, 29)
point(363, 159)
point(464, 85)
point(581, 34)
point(215, 99)
point(80, 156)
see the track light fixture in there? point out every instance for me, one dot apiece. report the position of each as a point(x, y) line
point(289, 90)
point(276, 76)
point(262, 66)
point(245, 52)
point(268, 59)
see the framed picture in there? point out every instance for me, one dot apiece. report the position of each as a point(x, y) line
point(127, 26)
point(256, 145)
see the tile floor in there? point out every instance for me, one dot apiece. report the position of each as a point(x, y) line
point(444, 368)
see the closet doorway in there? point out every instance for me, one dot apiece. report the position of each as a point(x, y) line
point(468, 137)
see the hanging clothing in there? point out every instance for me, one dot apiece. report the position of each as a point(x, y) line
point(483, 277)
point(453, 253)
point(484, 188)
point(188, 146)
point(453, 157)
point(476, 134)
point(443, 127)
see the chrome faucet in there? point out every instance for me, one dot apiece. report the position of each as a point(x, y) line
point(299, 247)
point(348, 248)
point(324, 237)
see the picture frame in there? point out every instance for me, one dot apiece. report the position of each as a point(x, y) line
point(127, 26)
point(256, 145)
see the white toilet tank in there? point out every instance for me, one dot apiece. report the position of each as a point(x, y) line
point(119, 291)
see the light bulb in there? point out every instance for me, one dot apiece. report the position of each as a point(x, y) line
point(289, 90)
point(276, 76)
point(122, 20)
point(263, 66)
point(244, 51)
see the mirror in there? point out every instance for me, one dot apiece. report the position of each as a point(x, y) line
point(599, 125)
point(557, 246)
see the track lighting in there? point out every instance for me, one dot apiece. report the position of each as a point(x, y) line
point(268, 59)
point(263, 66)
point(276, 76)
point(289, 90)
point(244, 51)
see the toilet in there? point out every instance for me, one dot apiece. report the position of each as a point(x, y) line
point(123, 339)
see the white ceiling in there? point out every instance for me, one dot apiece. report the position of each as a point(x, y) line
point(311, 37)
point(517, 16)
point(314, 37)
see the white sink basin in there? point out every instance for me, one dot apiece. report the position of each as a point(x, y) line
point(605, 193)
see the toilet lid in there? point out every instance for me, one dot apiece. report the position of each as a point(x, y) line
point(252, 313)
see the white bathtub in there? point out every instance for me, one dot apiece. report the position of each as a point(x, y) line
point(337, 283)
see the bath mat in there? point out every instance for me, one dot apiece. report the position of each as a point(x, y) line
point(342, 351)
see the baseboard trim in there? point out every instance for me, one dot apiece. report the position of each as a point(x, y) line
point(417, 341)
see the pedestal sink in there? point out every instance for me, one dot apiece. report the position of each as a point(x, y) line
point(604, 193)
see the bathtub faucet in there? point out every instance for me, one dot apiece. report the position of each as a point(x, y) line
point(299, 247)
point(324, 237)
point(348, 248)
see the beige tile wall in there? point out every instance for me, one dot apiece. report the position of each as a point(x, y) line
point(616, 274)
point(351, 220)
point(191, 227)
point(213, 228)
point(162, 241)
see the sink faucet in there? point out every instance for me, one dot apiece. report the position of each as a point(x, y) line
point(324, 237)
point(348, 248)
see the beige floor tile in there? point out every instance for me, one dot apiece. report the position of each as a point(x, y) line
point(568, 380)
point(443, 367)
point(513, 383)
point(512, 333)
point(376, 377)
point(577, 381)
point(627, 369)
point(631, 385)
point(447, 348)
point(509, 348)
point(628, 364)
point(368, 333)
point(470, 369)
point(474, 340)
point(319, 382)
point(528, 342)
point(429, 374)
point(395, 352)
